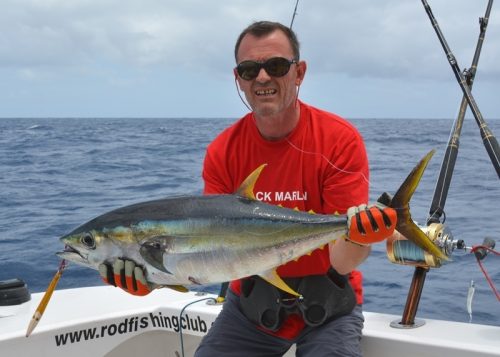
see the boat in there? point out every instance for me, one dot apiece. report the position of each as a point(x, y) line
point(105, 321)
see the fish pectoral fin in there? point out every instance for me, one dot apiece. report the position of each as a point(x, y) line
point(272, 277)
point(152, 252)
point(179, 288)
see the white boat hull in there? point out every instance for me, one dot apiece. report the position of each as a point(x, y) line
point(104, 321)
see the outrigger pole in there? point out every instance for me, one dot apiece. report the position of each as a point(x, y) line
point(489, 140)
point(441, 191)
point(294, 13)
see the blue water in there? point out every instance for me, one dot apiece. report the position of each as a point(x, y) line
point(56, 174)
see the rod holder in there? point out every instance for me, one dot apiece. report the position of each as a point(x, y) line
point(408, 320)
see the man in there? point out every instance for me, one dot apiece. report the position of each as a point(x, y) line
point(316, 161)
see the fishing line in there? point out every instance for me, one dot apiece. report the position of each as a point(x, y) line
point(301, 150)
point(296, 101)
point(432, 215)
point(180, 318)
point(323, 156)
point(239, 94)
point(248, 106)
point(235, 79)
point(483, 269)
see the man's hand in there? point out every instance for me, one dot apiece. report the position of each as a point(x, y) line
point(127, 276)
point(370, 224)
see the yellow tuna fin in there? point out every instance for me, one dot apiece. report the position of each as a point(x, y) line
point(246, 188)
point(179, 288)
point(273, 278)
point(400, 202)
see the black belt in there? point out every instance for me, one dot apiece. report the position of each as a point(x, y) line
point(323, 298)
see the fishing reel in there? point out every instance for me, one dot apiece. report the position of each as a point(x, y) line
point(400, 250)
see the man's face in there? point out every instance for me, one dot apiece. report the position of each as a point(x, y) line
point(268, 95)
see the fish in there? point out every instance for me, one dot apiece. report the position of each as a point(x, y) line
point(208, 239)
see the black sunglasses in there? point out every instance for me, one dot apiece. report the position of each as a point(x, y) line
point(275, 67)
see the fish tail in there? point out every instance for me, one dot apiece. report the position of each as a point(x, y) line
point(401, 203)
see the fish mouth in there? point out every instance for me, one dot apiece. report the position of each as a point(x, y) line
point(71, 254)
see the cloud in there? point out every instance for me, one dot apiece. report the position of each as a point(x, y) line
point(105, 48)
point(388, 38)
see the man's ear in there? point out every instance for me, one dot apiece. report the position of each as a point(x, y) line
point(301, 72)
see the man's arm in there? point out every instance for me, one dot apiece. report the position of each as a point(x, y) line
point(345, 256)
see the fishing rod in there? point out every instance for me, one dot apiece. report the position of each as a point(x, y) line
point(450, 157)
point(489, 140)
point(436, 231)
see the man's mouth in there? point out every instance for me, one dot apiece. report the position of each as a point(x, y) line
point(265, 92)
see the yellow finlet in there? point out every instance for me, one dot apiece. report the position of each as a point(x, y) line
point(220, 299)
point(272, 277)
point(246, 188)
point(179, 288)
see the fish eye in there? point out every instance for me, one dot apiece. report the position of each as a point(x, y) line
point(88, 240)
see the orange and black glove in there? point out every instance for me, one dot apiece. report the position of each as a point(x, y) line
point(370, 224)
point(126, 275)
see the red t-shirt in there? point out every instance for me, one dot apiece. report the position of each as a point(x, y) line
point(321, 166)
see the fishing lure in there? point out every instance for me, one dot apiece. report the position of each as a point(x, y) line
point(45, 299)
point(470, 296)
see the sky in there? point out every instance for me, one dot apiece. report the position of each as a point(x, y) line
point(166, 58)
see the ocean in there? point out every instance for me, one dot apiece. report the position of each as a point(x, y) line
point(56, 174)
